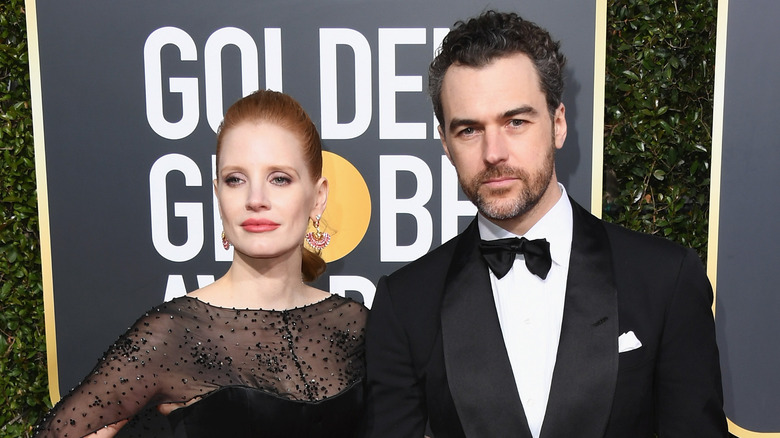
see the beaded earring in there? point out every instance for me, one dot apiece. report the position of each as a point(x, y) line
point(225, 242)
point(317, 239)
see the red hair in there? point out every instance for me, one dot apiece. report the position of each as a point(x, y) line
point(283, 111)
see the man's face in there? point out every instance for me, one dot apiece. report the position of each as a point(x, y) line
point(499, 135)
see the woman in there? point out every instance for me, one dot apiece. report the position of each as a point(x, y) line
point(258, 352)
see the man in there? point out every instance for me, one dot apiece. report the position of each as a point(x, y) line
point(611, 337)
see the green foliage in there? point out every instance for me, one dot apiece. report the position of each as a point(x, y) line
point(659, 86)
point(23, 378)
point(660, 58)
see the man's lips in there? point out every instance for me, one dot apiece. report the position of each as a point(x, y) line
point(498, 181)
point(259, 225)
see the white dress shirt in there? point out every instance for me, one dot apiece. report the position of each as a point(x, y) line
point(530, 310)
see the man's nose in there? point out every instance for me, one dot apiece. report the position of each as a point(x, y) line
point(495, 148)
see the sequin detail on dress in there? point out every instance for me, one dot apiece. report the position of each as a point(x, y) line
point(187, 349)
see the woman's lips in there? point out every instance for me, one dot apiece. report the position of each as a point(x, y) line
point(259, 225)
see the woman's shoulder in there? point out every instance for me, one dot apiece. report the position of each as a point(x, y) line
point(175, 312)
point(343, 305)
point(340, 301)
point(335, 312)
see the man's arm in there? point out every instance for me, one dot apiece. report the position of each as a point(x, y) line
point(689, 395)
point(395, 405)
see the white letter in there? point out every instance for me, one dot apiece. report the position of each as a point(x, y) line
point(390, 207)
point(331, 128)
point(175, 287)
point(273, 59)
point(213, 60)
point(188, 87)
point(340, 284)
point(389, 84)
point(204, 280)
point(192, 211)
point(451, 206)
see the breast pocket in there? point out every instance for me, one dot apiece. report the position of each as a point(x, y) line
point(634, 359)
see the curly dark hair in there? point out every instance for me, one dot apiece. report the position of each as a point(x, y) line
point(491, 35)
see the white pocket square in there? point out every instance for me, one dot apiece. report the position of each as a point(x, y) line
point(627, 342)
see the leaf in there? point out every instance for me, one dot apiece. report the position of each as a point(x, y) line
point(631, 75)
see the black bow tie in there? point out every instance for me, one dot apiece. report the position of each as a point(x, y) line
point(500, 254)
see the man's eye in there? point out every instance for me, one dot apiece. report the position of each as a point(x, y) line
point(467, 131)
point(516, 122)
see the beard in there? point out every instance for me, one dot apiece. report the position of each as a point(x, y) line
point(492, 202)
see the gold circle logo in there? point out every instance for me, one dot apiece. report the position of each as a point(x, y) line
point(348, 211)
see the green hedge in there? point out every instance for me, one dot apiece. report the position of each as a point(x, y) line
point(660, 58)
point(659, 86)
point(23, 379)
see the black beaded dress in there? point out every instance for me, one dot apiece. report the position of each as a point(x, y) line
point(252, 373)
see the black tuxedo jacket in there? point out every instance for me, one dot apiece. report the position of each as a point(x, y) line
point(435, 353)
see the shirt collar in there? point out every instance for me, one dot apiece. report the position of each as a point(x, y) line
point(555, 226)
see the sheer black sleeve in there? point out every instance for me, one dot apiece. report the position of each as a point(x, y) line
point(186, 349)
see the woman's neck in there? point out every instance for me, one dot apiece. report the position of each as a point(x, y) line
point(251, 283)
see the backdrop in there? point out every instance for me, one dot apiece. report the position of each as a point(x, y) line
point(744, 239)
point(130, 95)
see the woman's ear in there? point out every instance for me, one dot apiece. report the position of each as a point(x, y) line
point(216, 196)
point(320, 197)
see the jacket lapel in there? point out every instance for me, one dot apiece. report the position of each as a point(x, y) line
point(586, 367)
point(477, 365)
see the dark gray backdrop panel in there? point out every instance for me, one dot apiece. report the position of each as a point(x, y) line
point(748, 241)
point(100, 147)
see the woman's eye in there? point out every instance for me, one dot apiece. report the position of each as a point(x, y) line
point(280, 180)
point(232, 180)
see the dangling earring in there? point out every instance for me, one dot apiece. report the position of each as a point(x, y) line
point(225, 242)
point(317, 239)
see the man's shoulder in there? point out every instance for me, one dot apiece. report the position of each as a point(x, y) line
point(623, 239)
point(648, 258)
point(434, 263)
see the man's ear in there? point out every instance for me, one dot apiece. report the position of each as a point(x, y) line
point(559, 126)
point(444, 143)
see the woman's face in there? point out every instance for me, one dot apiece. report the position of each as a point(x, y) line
point(265, 190)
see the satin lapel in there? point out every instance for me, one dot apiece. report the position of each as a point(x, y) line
point(585, 373)
point(478, 369)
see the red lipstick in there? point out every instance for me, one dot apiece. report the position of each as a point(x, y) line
point(259, 225)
